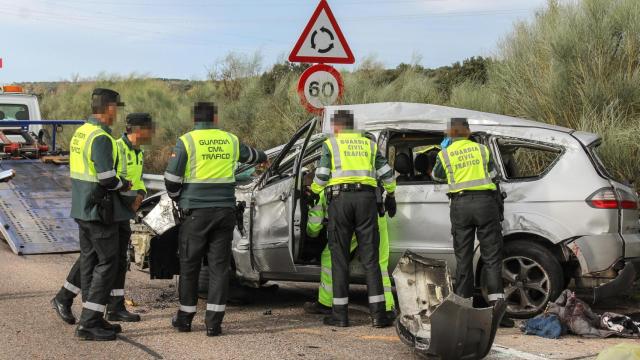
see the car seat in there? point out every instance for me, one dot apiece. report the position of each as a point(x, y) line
point(403, 165)
point(424, 163)
point(422, 166)
point(22, 115)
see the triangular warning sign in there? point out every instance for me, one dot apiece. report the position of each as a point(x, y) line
point(322, 40)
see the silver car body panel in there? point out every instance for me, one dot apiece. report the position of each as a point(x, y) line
point(271, 227)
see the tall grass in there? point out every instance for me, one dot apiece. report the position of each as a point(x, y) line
point(577, 64)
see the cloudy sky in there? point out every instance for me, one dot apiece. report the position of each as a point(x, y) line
point(49, 40)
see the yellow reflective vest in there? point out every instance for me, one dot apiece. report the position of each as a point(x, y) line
point(130, 166)
point(466, 164)
point(353, 159)
point(80, 164)
point(212, 155)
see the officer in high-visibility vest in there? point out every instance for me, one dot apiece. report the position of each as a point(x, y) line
point(139, 131)
point(97, 209)
point(475, 209)
point(349, 166)
point(200, 176)
point(325, 300)
point(129, 167)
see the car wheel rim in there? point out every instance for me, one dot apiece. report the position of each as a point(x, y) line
point(527, 285)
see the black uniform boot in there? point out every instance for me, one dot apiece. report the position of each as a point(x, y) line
point(64, 311)
point(116, 311)
point(339, 316)
point(122, 315)
point(214, 330)
point(97, 333)
point(116, 328)
point(506, 322)
point(182, 321)
point(316, 308)
point(379, 318)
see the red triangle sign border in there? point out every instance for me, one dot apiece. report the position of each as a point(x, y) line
point(294, 57)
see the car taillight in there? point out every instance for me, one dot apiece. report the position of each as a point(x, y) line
point(608, 198)
point(627, 200)
point(603, 199)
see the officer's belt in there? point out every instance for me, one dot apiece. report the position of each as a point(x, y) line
point(352, 187)
point(471, 193)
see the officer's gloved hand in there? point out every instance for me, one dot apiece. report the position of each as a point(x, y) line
point(313, 197)
point(137, 202)
point(390, 205)
point(126, 185)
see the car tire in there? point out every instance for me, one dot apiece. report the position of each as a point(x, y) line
point(532, 277)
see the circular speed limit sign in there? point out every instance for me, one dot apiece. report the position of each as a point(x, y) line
point(319, 86)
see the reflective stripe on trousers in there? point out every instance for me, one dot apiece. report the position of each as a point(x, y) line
point(216, 307)
point(117, 292)
point(188, 309)
point(341, 301)
point(93, 306)
point(69, 286)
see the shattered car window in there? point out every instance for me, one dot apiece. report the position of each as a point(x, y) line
point(522, 160)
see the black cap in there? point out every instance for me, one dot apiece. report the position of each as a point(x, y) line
point(458, 122)
point(103, 97)
point(139, 119)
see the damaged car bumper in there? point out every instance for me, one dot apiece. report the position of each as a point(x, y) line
point(436, 322)
point(603, 267)
point(622, 284)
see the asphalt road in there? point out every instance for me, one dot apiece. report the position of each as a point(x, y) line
point(273, 327)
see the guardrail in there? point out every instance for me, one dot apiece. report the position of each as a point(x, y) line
point(24, 124)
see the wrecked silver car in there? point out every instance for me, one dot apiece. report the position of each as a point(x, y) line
point(568, 221)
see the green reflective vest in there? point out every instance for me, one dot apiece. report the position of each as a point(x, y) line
point(352, 159)
point(80, 163)
point(212, 155)
point(466, 164)
point(130, 166)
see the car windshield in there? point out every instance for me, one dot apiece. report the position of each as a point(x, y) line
point(14, 112)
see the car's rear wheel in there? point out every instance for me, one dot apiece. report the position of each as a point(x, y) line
point(532, 277)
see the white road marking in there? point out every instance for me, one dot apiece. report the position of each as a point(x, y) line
point(515, 354)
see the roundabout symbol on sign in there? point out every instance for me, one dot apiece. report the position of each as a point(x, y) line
point(319, 86)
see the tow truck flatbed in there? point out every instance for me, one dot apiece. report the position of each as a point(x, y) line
point(35, 207)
